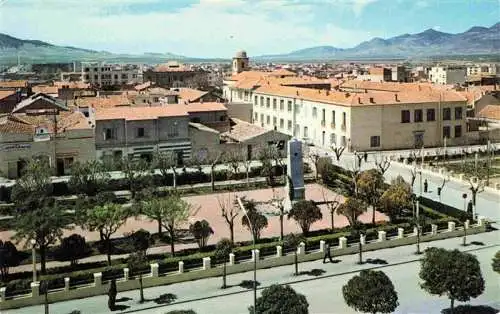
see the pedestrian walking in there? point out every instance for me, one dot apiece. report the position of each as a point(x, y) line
point(426, 186)
point(327, 254)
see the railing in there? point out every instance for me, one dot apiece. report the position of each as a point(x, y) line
point(239, 262)
point(332, 125)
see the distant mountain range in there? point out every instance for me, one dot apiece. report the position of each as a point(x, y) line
point(36, 51)
point(475, 41)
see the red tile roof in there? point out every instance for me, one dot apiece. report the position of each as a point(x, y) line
point(140, 113)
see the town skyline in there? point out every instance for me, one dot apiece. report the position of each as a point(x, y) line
point(260, 27)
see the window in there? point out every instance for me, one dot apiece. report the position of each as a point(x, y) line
point(405, 116)
point(418, 115)
point(289, 106)
point(305, 132)
point(343, 141)
point(282, 104)
point(458, 113)
point(256, 117)
point(173, 130)
point(323, 115)
point(275, 120)
point(446, 114)
point(315, 112)
point(458, 131)
point(274, 103)
point(261, 101)
point(323, 138)
point(333, 139)
point(256, 100)
point(109, 134)
point(262, 118)
point(268, 119)
point(268, 102)
point(124, 76)
point(343, 119)
point(282, 123)
point(116, 76)
point(431, 115)
point(333, 117)
point(289, 125)
point(140, 132)
point(446, 131)
point(374, 141)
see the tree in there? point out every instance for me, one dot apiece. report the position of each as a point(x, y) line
point(176, 212)
point(72, 249)
point(9, 257)
point(45, 225)
point(267, 156)
point(229, 211)
point(136, 172)
point(232, 159)
point(214, 161)
point(352, 208)
point(154, 209)
point(452, 273)
point(201, 231)
point(112, 292)
point(137, 262)
point(107, 218)
point(253, 220)
point(222, 250)
point(33, 187)
point(338, 150)
point(476, 187)
point(496, 262)
point(293, 240)
point(315, 159)
point(88, 178)
point(140, 240)
point(278, 299)
point(383, 163)
point(371, 291)
point(396, 198)
point(370, 184)
point(331, 205)
point(278, 203)
point(165, 161)
point(305, 213)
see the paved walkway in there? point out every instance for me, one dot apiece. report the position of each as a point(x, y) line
point(323, 292)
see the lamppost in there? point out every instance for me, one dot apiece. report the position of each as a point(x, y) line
point(33, 257)
point(254, 255)
point(417, 211)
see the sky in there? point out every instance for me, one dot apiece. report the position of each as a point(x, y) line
point(219, 28)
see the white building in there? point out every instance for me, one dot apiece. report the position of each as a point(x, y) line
point(447, 75)
point(100, 74)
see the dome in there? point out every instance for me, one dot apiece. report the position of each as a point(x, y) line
point(241, 54)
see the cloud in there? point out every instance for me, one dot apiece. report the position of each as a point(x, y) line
point(422, 4)
point(207, 28)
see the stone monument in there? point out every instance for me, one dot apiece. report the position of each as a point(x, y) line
point(295, 173)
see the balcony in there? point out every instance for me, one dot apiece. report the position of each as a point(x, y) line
point(323, 122)
point(332, 125)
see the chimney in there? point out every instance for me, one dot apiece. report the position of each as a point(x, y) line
point(371, 100)
point(359, 100)
point(396, 97)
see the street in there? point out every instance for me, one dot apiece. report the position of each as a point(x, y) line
point(323, 292)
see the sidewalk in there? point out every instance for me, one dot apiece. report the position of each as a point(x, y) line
point(203, 290)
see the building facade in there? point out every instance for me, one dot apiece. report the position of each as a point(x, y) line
point(447, 75)
point(362, 121)
point(173, 74)
point(101, 74)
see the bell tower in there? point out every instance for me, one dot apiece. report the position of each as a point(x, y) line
point(240, 62)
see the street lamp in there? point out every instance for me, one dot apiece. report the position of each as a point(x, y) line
point(33, 257)
point(417, 210)
point(254, 255)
